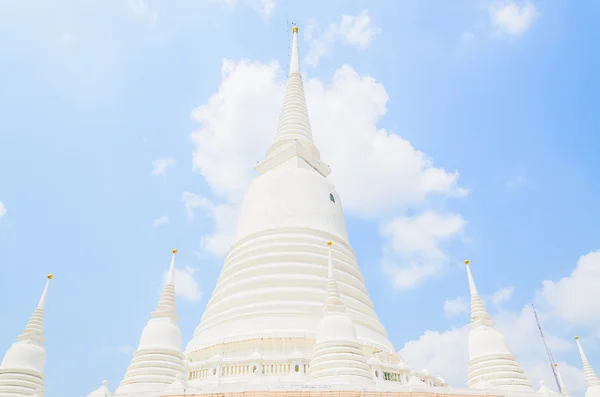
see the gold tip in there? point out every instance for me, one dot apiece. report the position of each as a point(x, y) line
point(295, 29)
point(329, 243)
point(555, 364)
point(467, 262)
point(576, 337)
point(50, 277)
point(174, 251)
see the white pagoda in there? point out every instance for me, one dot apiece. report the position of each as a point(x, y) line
point(290, 314)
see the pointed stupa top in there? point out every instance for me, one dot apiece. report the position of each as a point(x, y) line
point(545, 390)
point(102, 391)
point(561, 384)
point(158, 359)
point(167, 306)
point(478, 311)
point(34, 330)
point(22, 369)
point(294, 134)
point(176, 388)
point(295, 56)
point(591, 379)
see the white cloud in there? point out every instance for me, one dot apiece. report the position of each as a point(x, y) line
point(192, 270)
point(2, 209)
point(192, 202)
point(224, 217)
point(574, 299)
point(186, 285)
point(416, 241)
point(265, 8)
point(140, 9)
point(122, 349)
point(422, 233)
point(515, 182)
point(125, 349)
point(159, 166)
point(163, 220)
point(502, 295)
point(510, 18)
point(467, 36)
point(230, 3)
point(407, 276)
point(455, 307)
point(357, 31)
point(444, 354)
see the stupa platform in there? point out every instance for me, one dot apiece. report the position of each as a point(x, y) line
point(340, 393)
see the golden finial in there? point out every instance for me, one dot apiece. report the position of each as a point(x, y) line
point(295, 29)
point(555, 364)
point(174, 251)
point(50, 277)
point(467, 262)
point(576, 337)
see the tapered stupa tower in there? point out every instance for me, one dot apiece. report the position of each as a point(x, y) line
point(268, 300)
point(337, 358)
point(490, 360)
point(22, 369)
point(591, 379)
point(158, 359)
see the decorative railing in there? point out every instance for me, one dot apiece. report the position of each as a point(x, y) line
point(394, 377)
point(268, 369)
point(288, 369)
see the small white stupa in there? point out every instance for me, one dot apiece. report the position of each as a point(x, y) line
point(178, 387)
point(102, 391)
point(489, 357)
point(545, 390)
point(22, 369)
point(158, 359)
point(337, 358)
point(591, 379)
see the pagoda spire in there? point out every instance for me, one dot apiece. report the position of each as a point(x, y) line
point(295, 56)
point(333, 302)
point(478, 311)
point(337, 357)
point(22, 369)
point(158, 359)
point(294, 134)
point(563, 388)
point(167, 306)
point(591, 379)
point(490, 361)
point(294, 124)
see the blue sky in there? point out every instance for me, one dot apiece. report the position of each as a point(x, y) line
point(113, 113)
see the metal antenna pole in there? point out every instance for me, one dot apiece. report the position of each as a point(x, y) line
point(550, 357)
